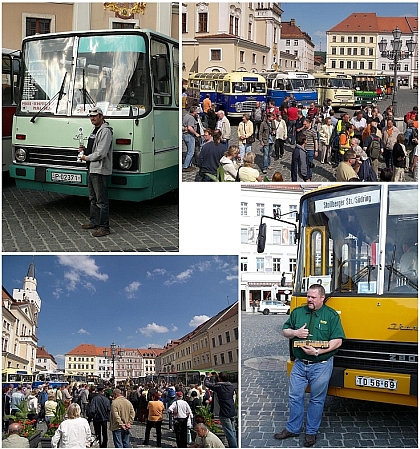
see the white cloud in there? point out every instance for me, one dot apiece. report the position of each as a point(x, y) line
point(231, 277)
point(119, 329)
point(85, 265)
point(157, 272)
point(153, 328)
point(174, 328)
point(132, 289)
point(181, 277)
point(197, 320)
point(81, 271)
point(60, 356)
point(83, 331)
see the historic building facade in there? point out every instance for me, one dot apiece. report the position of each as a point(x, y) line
point(352, 46)
point(20, 313)
point(25, 19)
point(212, 345)
point(261, 273)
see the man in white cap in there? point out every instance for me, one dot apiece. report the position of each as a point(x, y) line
point(98, 156)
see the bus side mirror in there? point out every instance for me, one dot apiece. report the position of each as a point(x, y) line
point(262, 234)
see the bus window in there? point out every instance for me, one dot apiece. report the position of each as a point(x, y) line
point(401, 257)
point(161, 73)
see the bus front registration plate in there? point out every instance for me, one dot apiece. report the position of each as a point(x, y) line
point(388, 384)
point(66, 177)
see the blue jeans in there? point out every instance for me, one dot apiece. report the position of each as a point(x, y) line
point(243, 149)
point(121, 438)
point(291, 131)
point(268, 150)
point(189, 141)
point(311, 154)
point(228, 425)
point(99, 203)
point(317, 376)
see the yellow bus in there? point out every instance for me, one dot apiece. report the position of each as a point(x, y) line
point(335, 86)
point(361, 244)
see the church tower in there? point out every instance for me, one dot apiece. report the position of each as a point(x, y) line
point(28, 292)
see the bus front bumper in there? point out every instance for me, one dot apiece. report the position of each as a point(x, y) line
point(392, 388)
point(74, 182)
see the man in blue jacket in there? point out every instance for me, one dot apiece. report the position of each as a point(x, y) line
point(225, 394)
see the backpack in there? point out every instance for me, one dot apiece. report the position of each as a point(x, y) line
point(374, 149)
point(366, 172)
point(133, 397)
point(335, 143)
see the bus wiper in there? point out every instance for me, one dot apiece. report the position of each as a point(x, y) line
point(363, 272)
point(59, 95)
point(85, 93)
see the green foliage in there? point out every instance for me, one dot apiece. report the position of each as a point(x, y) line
point(207, 415)
point(21, 417)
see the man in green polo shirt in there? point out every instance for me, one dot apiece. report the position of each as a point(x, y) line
point(313, 365)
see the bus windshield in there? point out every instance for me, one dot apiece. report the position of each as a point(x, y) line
point(302, 84)
point(340, 83)
point(247, 87)
point(110, 71)
point(350, 237)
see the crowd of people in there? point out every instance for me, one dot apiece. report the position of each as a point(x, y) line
point(352, 145)
point(90, 411)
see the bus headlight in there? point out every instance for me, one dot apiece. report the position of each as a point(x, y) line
point(21, 155)
point(238, 107)
point(125, 162)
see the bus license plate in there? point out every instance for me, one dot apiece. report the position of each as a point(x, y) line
point(66, 177)
point(388, 384)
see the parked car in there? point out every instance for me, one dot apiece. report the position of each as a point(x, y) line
point(271, 306)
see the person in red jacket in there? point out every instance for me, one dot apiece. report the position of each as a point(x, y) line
point(292, 116)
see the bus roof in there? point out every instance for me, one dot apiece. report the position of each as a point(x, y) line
point(229, 76)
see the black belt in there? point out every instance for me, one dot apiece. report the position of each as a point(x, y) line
point(309, 362)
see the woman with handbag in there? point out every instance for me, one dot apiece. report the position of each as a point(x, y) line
point(245, 135)
point(156, 408)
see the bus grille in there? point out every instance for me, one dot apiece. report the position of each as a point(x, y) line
point(247, 106)
point(63, 157)
point(394, 357)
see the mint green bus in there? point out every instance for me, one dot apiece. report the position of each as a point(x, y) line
point(133, 76)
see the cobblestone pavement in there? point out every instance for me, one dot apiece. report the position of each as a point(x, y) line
point(43, 221)
point(264, 399)
point(322, 172)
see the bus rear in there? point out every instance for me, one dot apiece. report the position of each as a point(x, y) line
point(361, 244)
point(133, 75)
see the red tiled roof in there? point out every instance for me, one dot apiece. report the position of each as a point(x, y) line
point(290, 30)
point(369, 22)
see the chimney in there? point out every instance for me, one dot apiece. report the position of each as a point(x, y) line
point(292, 22)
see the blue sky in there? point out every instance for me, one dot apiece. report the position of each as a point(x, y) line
point(316, 18)
point(134, 301)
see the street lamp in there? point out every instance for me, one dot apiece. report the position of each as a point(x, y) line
point(396, 55)
point(115, 352)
